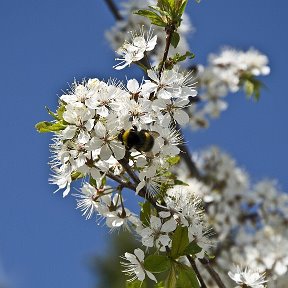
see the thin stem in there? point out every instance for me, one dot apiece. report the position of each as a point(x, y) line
point(146, 61)
point(186, 156)
point(142, 66)
point(143, 192)
point(169, 32)
point(111, 5)
point(193, 265)
point(125, 184)
point(212, 272)
point(123, 214)
point(125, 164)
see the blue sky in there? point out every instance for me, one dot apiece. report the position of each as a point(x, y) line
point(44, 242)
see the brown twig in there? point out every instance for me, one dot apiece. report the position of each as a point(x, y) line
point(114, 10)
point(117, 179)
point(125, 164)
point(169, 32)
point(186, 156)
point(143, 192)
point(212, 272)
point(193, 265)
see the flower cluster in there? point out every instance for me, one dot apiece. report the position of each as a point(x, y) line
point(117, 136)
point(226, 73)
point(95, 113)
point(191, 215)
point(250, 221)
point(117, 35)
point(127, 134)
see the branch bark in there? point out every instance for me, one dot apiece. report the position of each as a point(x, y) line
point(113, 8)
point(206, 263)
point(169, 32)
point(193, 265)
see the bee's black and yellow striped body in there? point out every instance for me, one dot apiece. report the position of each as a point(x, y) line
point(140, 140)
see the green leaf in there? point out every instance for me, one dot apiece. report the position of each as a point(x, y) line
point(135, 284)
point(159, 285)
point(171, 3)
point(187, 278)
point(145, 213)
point(60, 111)
point(103, 181)
point(45, 126)
point(178, 58)
point(192, 249)
point(189, 55)
point(163, 13)
point(164, 4)
point(152, 16)
point(174, 160)
point(182, 8)
point(157, 263)
point(76, 175)
point(55, 116)
point(170, 281)
point(249, 87)
point(92, 182)
point(252, 86)
point(179, 182)
point(179, 241)
point(175, 39)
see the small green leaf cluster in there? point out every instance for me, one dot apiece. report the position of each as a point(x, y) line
point(54, 126)
point(171, 61)
point(167, 13)
point(252, 86)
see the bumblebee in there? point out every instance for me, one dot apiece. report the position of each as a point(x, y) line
point(142, 140)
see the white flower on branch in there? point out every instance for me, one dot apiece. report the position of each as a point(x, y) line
point(118, 34)
point(134, 51)
point(157, 234)
point(247, 277)
point(81, 119)
point(88, 200)
point(106, 140)
point(134, 266)
point(121, 218)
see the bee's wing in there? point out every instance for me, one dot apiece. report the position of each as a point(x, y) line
point(154, 134)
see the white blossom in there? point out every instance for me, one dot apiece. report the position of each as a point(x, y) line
point(134, 266)
point(134, 51)
point(157, 234)
point(248, 277)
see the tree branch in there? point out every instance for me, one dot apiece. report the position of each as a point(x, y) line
point(186, 156)
point(111, 5)
point(193, 265)
point(125, 164)
point(125, 184)
point(143, 192)
point(212, 272)
point(169, 32)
